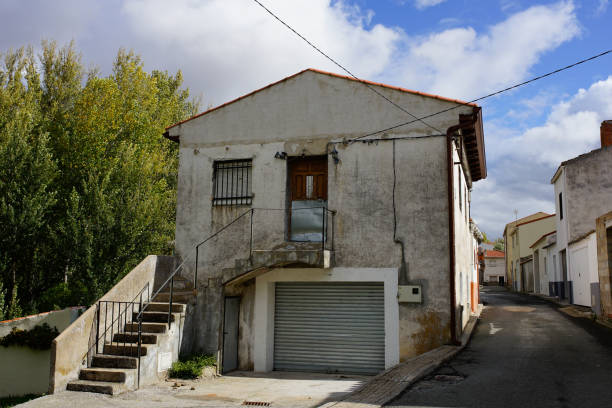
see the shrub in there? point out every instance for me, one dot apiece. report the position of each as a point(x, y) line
point(191, 367)
point(38, 338)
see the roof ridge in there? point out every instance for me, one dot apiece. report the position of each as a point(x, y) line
point(442, 98)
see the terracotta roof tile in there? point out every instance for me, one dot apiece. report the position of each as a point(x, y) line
point(493, 253)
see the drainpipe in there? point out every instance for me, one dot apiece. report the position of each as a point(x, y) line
point(451, 229)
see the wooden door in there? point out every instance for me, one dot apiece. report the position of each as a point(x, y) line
point(308, 178)
point(308, 198)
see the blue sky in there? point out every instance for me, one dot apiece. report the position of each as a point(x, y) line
point(457, 48)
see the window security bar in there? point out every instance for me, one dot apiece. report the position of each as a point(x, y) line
point(232, 184)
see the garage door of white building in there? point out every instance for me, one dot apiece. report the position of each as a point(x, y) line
point(329, 327)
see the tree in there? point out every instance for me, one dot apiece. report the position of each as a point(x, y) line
point(87, 183)
point(499, 244)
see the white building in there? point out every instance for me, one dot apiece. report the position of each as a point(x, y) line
point(355, 252)
point(583, 192)
point(494, 267)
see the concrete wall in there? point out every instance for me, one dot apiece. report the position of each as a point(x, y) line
point(24, 370)
point(69, 349)
point(494, 267)
point(604, 264)
point(526, 234)
point(464, 252)
point(512, 249)
point(280, 119)
point(589, 175)
point(541, 269)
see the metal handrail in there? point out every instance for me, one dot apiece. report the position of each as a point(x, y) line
point(114, 320)
point(142, 306)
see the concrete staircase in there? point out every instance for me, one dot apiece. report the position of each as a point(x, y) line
point(115, 370)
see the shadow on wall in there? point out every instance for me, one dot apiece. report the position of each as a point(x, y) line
point(24, 370)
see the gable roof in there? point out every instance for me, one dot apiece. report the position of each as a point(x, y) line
point(542, 237)
point(574, 160)
point(529, 218)
point(493, 253)
point(318, 71)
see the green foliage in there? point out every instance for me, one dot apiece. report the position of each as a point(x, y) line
point(191, 367)
point(8, 402)
point(87, 183)
point(39, 337)
point(499, 244)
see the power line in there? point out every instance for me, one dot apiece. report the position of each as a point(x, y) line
point(421, 118)
point(556, 71)
point(416, 119)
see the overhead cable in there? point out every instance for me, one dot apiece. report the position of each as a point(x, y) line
point(416, 119)
point(459, 104)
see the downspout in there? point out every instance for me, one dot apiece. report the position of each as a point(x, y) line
point(451, 229)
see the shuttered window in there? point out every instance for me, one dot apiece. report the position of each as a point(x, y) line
point(329, 327)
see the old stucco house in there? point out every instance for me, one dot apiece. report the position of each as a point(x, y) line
point(351, 254)
point(314, 232)
point(583, 187)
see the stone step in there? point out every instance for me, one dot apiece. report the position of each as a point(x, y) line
point(117, 375)
point(147, 327)
point(180, 284)
point(120, 349)
point(100, 387)
point(164, 306)
point(184, 297)
point(111, 361)
point(133, 338)
point(154, 317)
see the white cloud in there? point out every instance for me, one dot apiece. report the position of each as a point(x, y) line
point(422, 4)
point(572, 128)
point(231, 47)
point(462, 63)
point(521, 164)
point(603, 6)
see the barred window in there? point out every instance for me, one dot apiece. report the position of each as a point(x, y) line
point(232, 182)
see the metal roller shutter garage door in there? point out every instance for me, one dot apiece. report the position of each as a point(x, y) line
point(329, 327)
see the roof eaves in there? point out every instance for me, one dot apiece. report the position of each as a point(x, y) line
point(541, 238)
point(537, 219)
point(329, 74)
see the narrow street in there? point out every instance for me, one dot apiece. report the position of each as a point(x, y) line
point(524, 353)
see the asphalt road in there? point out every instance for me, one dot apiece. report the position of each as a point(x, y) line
point(524, 353)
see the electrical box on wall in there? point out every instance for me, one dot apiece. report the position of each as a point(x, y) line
point(409, 294)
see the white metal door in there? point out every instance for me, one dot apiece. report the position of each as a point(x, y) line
point(329, 327)
point(580, 277)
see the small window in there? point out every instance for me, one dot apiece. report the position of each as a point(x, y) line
point(560, 206)
point(232, 182)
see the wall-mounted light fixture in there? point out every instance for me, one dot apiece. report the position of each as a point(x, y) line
point(280, 155)
point(334, 155)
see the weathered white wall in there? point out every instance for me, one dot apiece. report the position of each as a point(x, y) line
point(589, 175)
point(22, 369)
point(494, 267)
point(464, 258)
point(300, 116)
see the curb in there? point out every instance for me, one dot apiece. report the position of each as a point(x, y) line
point(386, 386)
point(559, 305)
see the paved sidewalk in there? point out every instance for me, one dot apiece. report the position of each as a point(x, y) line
point(573, 310)
point(391, 383)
